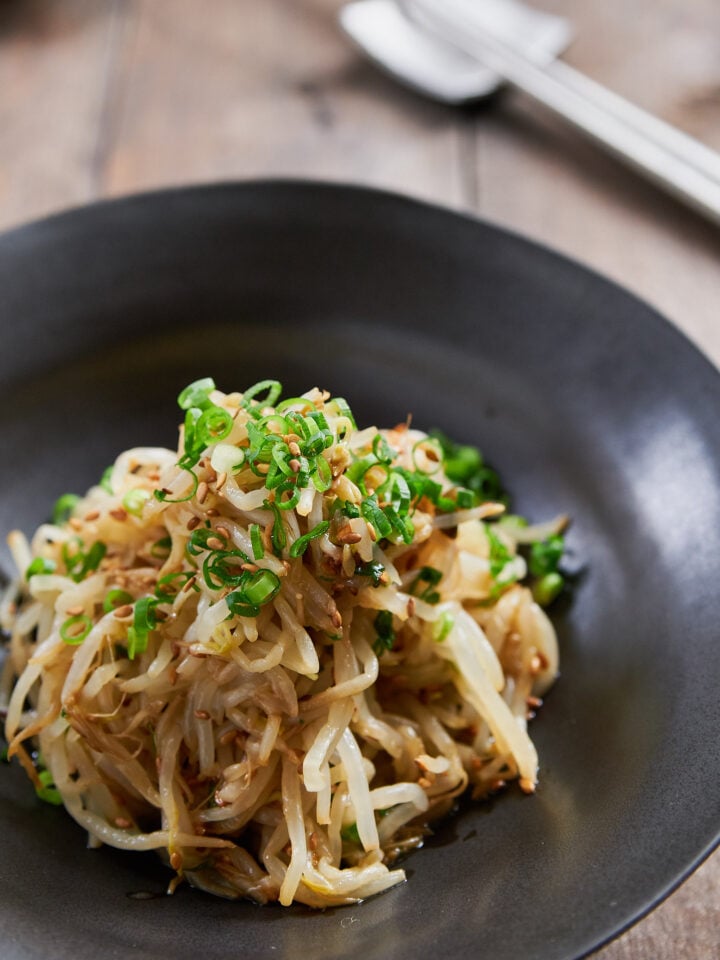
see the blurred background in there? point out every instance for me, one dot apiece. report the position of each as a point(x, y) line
point(100, 99)
point(104, 97)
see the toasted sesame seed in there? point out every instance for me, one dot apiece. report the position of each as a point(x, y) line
point(91, 515)
point(202, 491)
point(124, 611)
point(176, 860)
point(212, 512)
point(411, 606)
point(223, 531)
point(119, 514)
point(123, 823)
point(192, 523)
point(75, 523)
point(294, 448)
point(336, 618)
point(373, 532)
point(202, 714)
point(347, 535)
point(189, 585)
point(215, 543)
point(221, 481)
point(75, 611)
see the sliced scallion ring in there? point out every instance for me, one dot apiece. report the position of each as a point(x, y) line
point(75, 629)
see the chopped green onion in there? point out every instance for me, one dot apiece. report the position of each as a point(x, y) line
point(465, 498)
point(432, 454)
point(199, 538)
point(358, 470)
point(383, 624)
point(291, 402)
point(105, 479)
point(373, 570)
point(344, 410)
point(349, 833)
point(163, 496)
point(300, 546)
point(92, 559)
point(546, 555)
point(262, 586)
point(80, 564)
point(278, 535)
point(116, 598)
point(547, 588)
point(134, 501)
point(374, 515)
point(432, 576)
point(196, 394)
point(239, 606)
point(257, 589)
point(443, 626)
point(464, 464)
point(273, 387)
point(500, 555)
point(40, 565)
point(224, 568)
point(282, 456)
point(193, 444)
point(316, 440)
point(402, 525)
point(382, 450)
point(144, 621)
point(322, 474)
point(161, 548)
point(64, 507)
point(75, 629)
point(214, 425)
point(48, 791)
point(256, 541)
point(288, 487)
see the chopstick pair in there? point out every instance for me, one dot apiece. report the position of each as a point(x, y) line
point(675, 161)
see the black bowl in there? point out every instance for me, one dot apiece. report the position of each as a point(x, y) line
point(585, 400)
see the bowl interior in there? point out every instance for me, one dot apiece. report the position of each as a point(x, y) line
point(584, 399)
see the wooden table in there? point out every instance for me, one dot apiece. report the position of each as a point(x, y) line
point(101, 99)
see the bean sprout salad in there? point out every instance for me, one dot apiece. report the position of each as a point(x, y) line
point(279, 652)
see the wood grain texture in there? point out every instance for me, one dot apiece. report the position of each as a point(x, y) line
point(540, 177)
point(108, 98)
point(273, 91)
point(53, 64)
